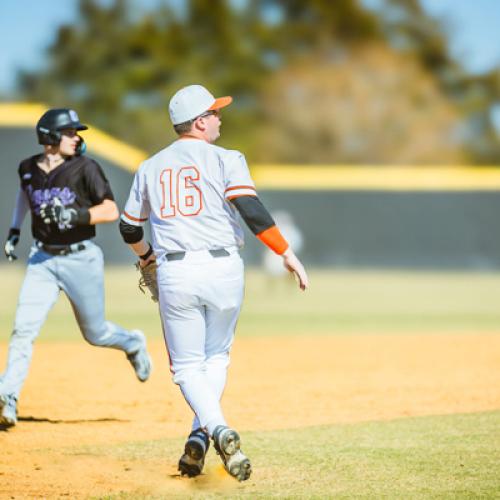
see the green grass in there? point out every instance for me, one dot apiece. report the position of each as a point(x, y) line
point(338, 302)
point(454, 456)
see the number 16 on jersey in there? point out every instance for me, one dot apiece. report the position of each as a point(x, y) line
point(180, 195)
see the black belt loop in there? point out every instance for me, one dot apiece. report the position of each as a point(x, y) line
point(219, 252)
point(175, 256)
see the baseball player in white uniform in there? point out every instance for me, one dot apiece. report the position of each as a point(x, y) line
point(190, 192)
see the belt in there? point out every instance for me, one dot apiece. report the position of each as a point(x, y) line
point(61, 249)
point(219, 252)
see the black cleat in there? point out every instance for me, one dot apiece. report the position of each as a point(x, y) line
point(195, 450)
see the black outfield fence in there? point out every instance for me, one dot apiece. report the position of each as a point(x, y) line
point(435, 229)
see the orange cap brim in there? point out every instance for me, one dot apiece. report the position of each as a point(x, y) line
point(221, 102)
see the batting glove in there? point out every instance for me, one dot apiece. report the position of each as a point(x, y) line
point(10, 244)
point(65, 218)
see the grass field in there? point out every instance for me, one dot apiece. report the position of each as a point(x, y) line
point(428, 457)
point(338, 302)
point(345, 353)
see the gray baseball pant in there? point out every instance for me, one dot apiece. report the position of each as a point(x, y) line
point(81, 276)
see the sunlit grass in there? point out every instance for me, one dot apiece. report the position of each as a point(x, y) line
point(453, 456)
point(337, 302)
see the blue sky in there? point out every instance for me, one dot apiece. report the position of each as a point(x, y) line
point(473, 28)
point(28, 27)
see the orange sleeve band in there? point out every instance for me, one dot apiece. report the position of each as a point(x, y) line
point(273, 239)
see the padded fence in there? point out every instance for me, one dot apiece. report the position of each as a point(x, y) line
point(348, 227)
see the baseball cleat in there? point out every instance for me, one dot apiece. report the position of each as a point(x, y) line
point(8, 410)
point(227, 445)
point(195, 450)
point(140, 359)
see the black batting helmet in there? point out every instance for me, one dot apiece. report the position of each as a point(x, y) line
point(53, 121)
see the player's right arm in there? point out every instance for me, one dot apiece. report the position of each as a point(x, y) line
point(240, 191)
point(20, 210)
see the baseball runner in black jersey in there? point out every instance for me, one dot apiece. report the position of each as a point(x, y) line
point(67, 194)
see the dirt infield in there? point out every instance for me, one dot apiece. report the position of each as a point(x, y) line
point(79, 396)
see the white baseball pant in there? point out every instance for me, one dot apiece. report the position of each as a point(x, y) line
point(200, 299)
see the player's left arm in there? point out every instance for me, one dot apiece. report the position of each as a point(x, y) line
point(103, 207)
point(133, 218)
point(107, 211)
point(57, 213)
point(133, 236)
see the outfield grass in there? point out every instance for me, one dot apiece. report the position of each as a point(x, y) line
point(338, 302)
point(453, 456)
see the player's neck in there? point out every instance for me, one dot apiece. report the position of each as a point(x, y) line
point(51, 159)
point(194, 134)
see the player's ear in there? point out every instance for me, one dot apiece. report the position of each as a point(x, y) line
point(200, 124)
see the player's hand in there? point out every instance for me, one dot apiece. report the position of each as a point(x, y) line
point(144, 263)
point(148, 279)
point(293, 264)
point(57, 213)
point(10, 244)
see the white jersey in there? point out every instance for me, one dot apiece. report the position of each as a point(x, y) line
point(184, 192)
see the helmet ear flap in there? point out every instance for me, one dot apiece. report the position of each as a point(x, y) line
point(48, 137)
point(56, 137)
point(81, 147)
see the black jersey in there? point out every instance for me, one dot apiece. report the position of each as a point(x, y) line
point(78, 182)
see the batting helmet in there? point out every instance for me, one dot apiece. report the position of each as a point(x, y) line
point(53, 121)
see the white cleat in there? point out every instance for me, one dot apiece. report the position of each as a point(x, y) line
point(140, 359)
point(227, 445)
point(8, 410)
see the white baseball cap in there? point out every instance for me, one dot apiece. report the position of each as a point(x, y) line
point(192, 101)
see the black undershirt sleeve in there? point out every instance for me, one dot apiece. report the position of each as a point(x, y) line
point(254, 213)
point(130, 233)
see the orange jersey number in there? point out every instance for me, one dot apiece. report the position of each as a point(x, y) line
point(182, 196)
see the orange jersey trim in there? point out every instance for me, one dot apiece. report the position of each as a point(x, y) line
point(232, 188)
point(273, 239)
point(133, 218)
point(234, 196)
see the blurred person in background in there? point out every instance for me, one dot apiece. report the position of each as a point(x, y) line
point(67, 194)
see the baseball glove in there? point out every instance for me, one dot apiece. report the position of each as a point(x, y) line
point(148, 279)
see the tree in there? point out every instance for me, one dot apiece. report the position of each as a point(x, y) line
point(367, 105)
point(119, 66)
point(408, 28)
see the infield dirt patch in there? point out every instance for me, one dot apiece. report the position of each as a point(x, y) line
point(80, 396)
